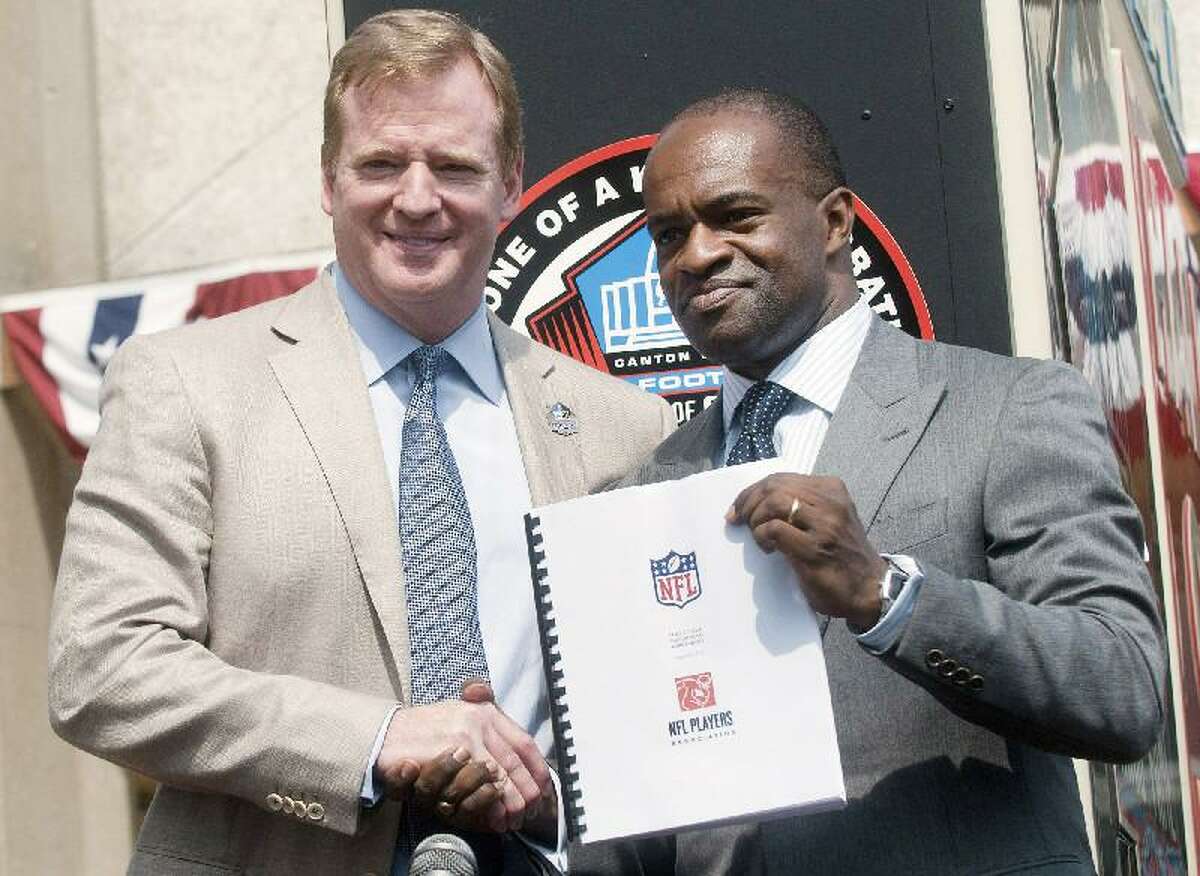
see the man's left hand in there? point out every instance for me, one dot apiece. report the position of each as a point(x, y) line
point(541, 819)
point(813, 522)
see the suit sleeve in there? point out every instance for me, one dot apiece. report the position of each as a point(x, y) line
point(1065, 637)
point(131, 678)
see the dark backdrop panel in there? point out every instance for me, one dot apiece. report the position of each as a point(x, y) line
point(880, 72)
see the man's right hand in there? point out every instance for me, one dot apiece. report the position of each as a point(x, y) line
point(420, 734)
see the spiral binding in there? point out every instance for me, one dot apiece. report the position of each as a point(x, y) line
point(568, 772)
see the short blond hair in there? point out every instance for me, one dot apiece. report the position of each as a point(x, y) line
point(408, 44)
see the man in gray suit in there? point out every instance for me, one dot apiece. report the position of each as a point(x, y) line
point(299, 530)
point(956, 517)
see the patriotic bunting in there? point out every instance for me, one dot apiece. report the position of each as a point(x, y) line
point(62, 344)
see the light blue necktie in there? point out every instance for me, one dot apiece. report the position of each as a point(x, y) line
point(438, 546)
point(761, 407)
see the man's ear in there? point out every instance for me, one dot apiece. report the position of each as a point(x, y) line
point(838, 209)
point(327, 189)
point(512, 190)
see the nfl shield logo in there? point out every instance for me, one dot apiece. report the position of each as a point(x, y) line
point(676, 579)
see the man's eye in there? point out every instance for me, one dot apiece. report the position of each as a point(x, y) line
point(737, 217)
point(666, 236)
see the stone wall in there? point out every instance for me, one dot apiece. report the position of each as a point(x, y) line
point(141, 137)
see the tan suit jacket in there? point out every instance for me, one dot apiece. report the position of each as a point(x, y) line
point(229, 617)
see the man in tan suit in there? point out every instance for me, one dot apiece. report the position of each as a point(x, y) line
point(237, 613)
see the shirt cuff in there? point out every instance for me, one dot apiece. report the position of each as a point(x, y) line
point(888, 628)
point(371, 794)
point(557, 856)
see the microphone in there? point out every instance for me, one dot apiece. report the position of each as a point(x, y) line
point(443, 854)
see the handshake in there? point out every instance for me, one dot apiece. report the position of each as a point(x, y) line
point(471, 765)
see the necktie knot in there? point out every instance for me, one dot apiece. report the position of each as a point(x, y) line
point(761, 408)
point(764, 404)
point(427, 362)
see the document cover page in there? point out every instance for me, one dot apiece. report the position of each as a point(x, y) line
point(687, 681)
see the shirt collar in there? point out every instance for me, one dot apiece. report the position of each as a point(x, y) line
point(816, 371)
point(383, 343)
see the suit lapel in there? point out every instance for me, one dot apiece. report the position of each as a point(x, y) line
point(555, 467)
point(882, 414)
point(336, 416)
point(690, 449)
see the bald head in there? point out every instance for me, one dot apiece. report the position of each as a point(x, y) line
point(752, 246)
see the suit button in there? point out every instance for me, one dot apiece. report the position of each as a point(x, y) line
point(288, 805)
point(316, 812)
point(301, 810)
point(934, 658)
point(975, 683)
point(274, 802)
point(961, 676)
point(946, 667)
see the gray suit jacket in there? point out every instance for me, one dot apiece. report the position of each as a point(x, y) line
point(230, 616)
point(996, 474)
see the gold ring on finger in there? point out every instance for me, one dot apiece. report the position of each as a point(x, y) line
point(791, 518)
point(445, 808)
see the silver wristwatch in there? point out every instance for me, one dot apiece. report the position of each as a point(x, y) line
point(891, 586)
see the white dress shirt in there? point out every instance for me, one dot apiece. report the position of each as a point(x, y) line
point(817, 372)
point(473, 405)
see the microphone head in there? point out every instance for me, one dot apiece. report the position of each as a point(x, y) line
point(443, 854)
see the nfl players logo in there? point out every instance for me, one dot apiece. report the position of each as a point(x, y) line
point(696, 691)
point(676, 579)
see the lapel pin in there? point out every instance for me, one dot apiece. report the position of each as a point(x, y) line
point(562, 420)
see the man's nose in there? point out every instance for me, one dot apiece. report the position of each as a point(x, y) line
point(417, 194)
point(701, 251)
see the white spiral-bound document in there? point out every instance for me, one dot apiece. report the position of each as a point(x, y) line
point(687, 681)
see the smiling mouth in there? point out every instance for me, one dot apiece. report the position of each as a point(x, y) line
point(417, 243)
point(713, 295)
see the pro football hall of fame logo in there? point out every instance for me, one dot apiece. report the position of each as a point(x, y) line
point(676, 579)
point(576, 270)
